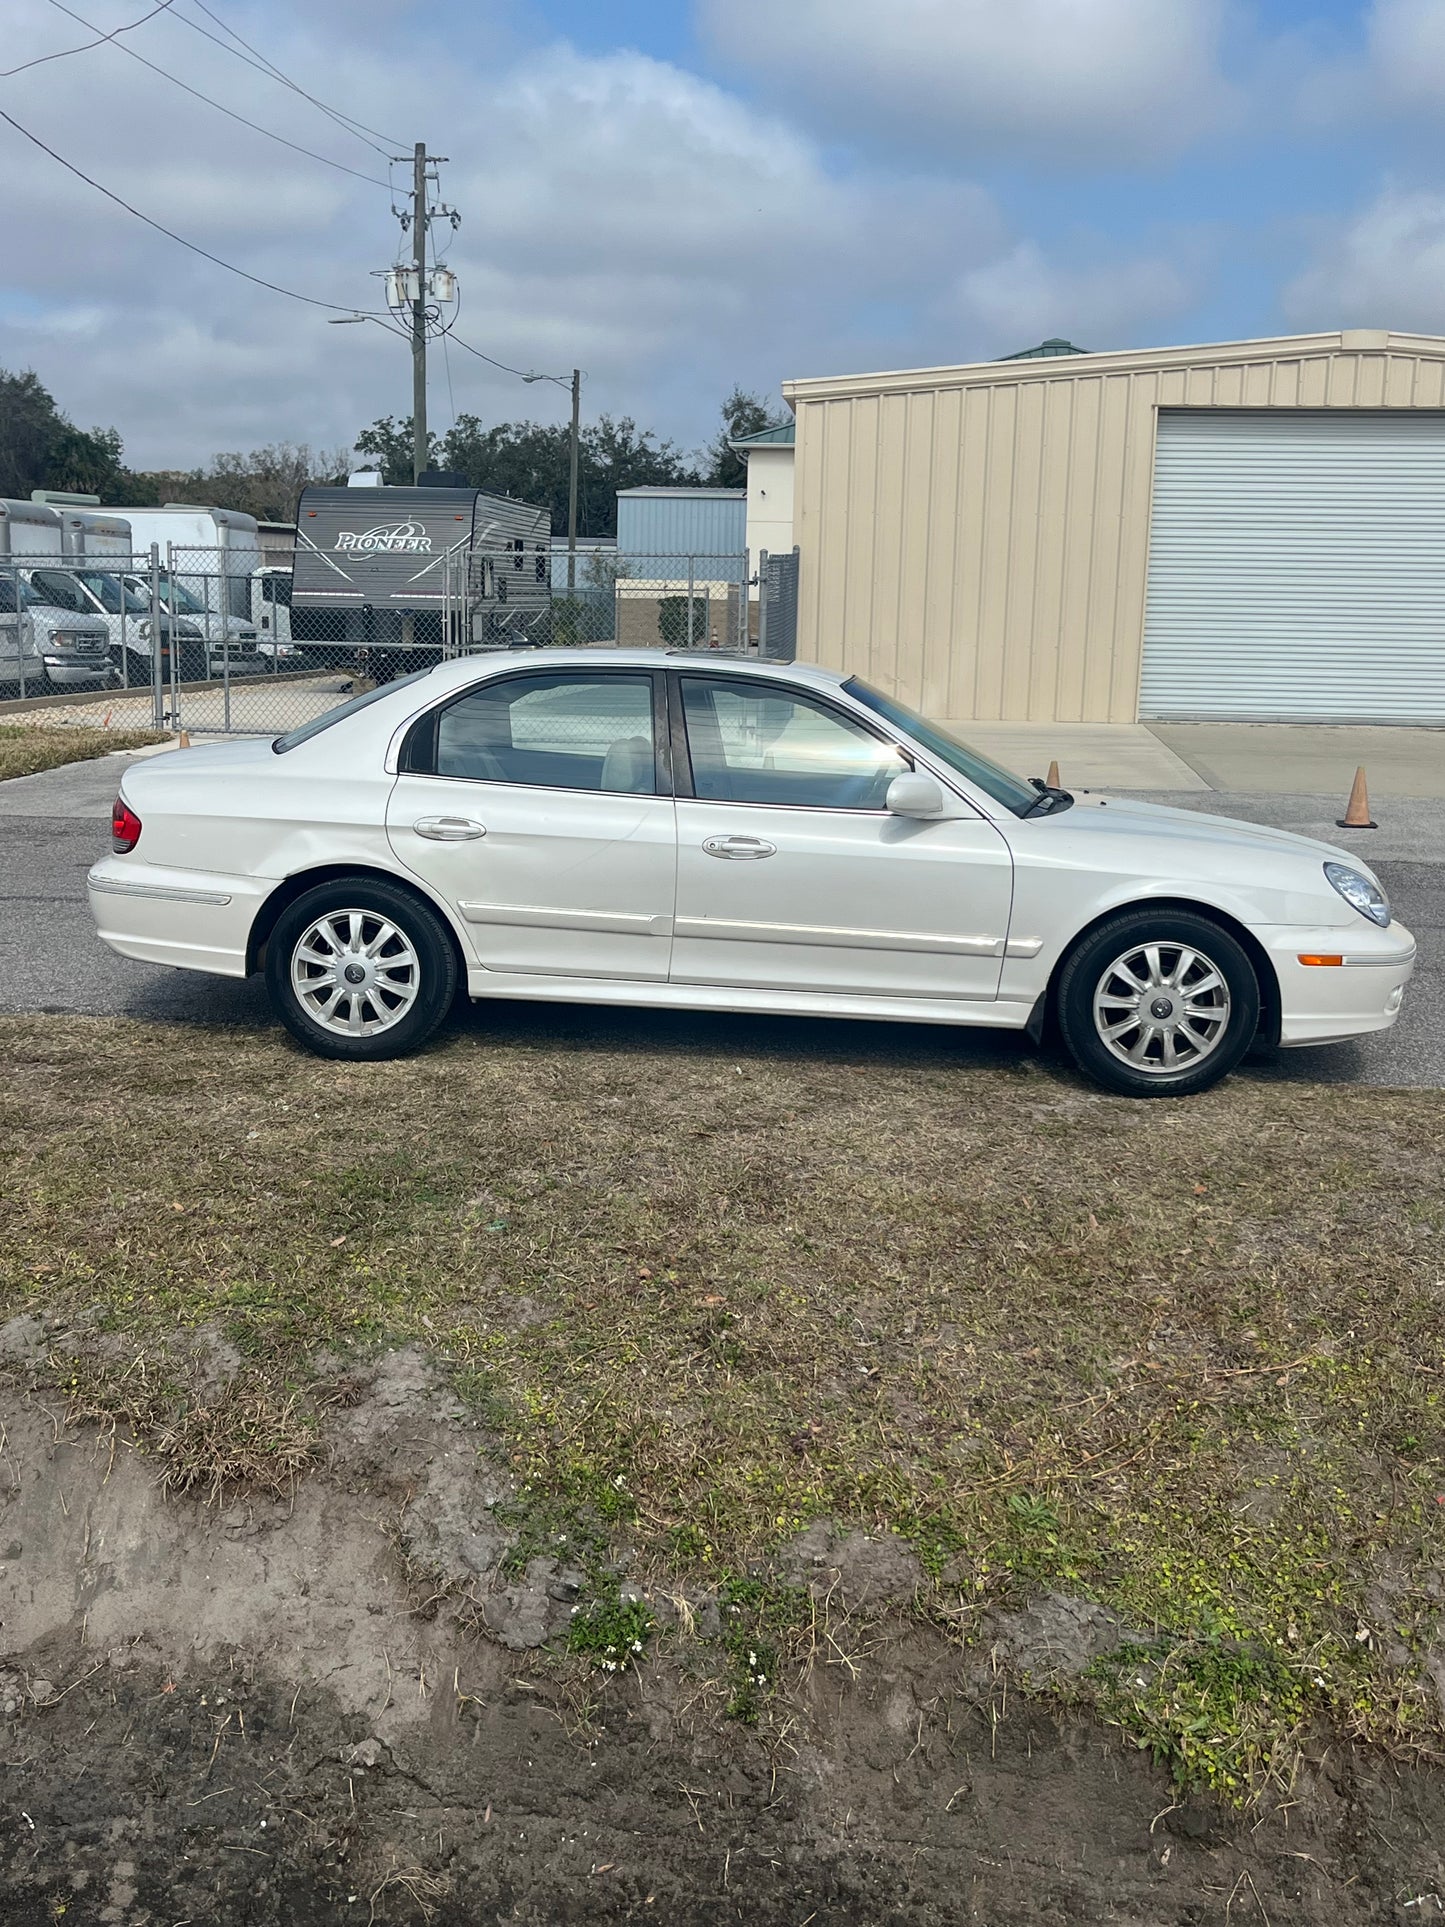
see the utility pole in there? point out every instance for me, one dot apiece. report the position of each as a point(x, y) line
point(420, 224)
point(572, 483)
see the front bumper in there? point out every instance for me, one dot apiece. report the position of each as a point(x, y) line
point(1326, 1002)
point(66, 672)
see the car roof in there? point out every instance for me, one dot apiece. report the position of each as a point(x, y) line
point(464, 668)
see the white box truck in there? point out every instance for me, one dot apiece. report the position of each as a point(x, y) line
point(208, 558)
point(99, 547)
point(46, 642)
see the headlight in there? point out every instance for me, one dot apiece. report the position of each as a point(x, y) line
point(1360, 892)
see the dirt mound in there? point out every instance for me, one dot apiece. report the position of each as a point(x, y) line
point(331, 1706)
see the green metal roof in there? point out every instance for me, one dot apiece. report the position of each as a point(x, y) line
point(1055, 345)
point(783, 436)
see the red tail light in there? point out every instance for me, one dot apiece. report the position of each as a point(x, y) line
point(124, 826)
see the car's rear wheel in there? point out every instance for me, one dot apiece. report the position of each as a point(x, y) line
point(360, 969)
point(1158, 1003)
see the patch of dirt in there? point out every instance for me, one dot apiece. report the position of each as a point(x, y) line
point(328, 1708)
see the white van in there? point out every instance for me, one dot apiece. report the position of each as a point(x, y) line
point(208, 557)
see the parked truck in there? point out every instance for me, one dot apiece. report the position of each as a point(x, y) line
point(208, 558)
point(98, 547)
point(45, 643)
point(388, 579)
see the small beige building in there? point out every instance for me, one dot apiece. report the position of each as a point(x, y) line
point(1248, 530)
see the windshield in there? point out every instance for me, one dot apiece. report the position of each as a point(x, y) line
point(175, 595)
point(992, 778)
point(342, 711)
point(112, 596)
point(8, 586)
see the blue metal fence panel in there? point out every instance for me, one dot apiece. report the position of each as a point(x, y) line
point(681, 521)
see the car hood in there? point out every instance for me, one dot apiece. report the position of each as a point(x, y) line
point(1105, 815)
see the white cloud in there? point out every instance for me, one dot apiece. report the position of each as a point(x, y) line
point(619, 214)
point(1102, 80)
point(1407, 46)
point(1023, 297)
point(1385, 268)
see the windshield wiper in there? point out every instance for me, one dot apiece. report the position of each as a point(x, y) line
point(1049, 800)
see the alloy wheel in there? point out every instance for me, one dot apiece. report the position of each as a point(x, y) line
point(355, 973)
point(1162, 1008)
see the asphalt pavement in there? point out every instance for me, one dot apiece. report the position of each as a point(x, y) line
point(52, 827)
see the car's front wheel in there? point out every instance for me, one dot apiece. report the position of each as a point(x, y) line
point(1158, 1003)
point(360, 969)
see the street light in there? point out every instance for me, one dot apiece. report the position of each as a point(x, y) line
point(576, 387)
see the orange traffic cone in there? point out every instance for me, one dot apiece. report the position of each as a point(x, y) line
point(1357, 810)
point(1052, 779)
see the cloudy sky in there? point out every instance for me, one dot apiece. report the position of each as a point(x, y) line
point(677, 195)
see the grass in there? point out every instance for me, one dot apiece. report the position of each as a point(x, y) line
point(1182, 1358)
point(27, 748)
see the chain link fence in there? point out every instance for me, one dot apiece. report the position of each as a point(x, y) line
point(203, 640)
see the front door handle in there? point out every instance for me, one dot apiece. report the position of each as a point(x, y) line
point(449, 829)
point(747, 848)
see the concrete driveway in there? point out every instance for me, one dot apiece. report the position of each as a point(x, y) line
point(53, 825)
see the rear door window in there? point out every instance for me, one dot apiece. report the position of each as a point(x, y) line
point(560, 731)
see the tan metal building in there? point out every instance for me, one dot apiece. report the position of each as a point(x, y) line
point(1246, 529)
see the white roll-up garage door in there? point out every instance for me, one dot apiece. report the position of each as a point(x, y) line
point(1297, 567)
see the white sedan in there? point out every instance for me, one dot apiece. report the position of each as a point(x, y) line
point(631, 827)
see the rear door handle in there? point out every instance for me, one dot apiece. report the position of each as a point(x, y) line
point(449, 829)
point(747, 848)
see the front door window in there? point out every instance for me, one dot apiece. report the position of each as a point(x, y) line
point(752, 744)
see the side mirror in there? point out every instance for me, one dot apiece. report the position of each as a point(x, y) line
point(914, 794)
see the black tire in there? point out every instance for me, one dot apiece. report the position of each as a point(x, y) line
point(436, 972)
point(1207, 1038)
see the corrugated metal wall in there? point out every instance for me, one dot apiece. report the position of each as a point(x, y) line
point(682, 522)
point(977, 539)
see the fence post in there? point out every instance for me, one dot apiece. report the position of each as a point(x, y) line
point(120, 576)
point(691, 585)
point(221, 560)
point(762, 604)
point(19, 628)
point(157, 700)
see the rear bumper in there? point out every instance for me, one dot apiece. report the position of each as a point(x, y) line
point(184, 918)
point(1325, 1003)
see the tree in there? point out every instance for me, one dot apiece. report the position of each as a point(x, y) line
point(530, 461)
point(742, 414)
point(41, 448)
point(268, 482)
point(388, 443)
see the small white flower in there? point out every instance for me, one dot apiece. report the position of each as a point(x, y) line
point(637, 1645)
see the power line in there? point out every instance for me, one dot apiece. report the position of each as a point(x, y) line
point(170, 234)
point(65, 52)
point(527, 375)
point(253, 58)
point(185, 86)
